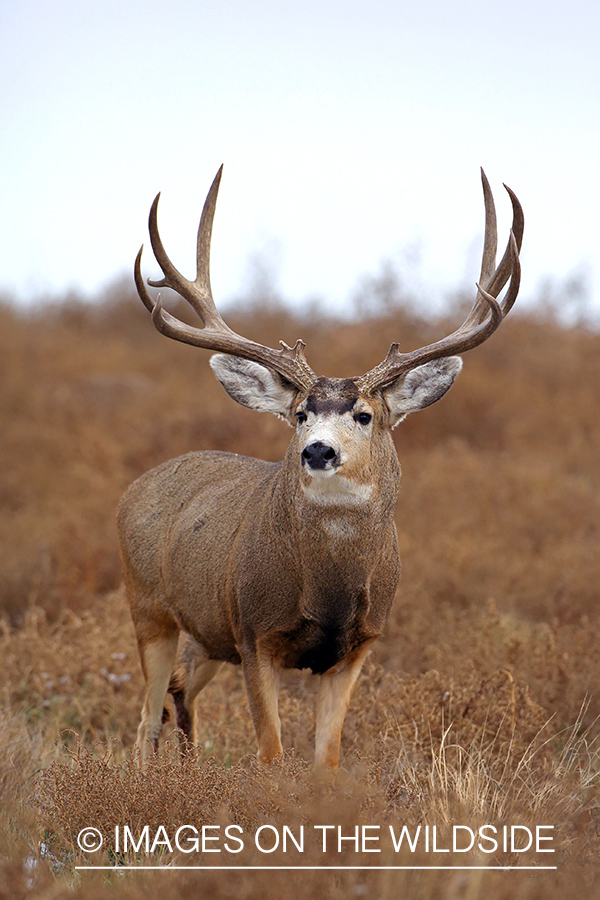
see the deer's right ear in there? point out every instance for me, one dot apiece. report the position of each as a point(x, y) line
point(255, 386)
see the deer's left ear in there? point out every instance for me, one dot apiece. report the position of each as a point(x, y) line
point(420, 387)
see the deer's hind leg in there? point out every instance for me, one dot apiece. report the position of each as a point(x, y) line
point(193, 672)
point(158, 659)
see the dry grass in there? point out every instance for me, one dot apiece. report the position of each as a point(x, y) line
point(478, 706)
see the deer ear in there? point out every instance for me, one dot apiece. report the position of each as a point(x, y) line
point(420, 387)
point(254, 385)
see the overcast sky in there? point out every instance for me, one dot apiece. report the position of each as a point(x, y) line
point(350, 132)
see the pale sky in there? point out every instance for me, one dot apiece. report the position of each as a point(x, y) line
point(350, 132)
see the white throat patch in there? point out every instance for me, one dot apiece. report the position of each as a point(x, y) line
point(334, 489)
point(339, 527)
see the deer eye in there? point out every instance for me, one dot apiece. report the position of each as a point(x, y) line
point(363, 418)
point(301, 417)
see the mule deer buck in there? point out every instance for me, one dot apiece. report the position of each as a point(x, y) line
point(292, 564)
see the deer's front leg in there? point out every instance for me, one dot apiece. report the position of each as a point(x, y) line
point(261, 678)
point(333, 699)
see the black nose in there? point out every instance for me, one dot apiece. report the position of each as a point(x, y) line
point(319, 455)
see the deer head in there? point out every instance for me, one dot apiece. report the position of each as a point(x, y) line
point(334, 418)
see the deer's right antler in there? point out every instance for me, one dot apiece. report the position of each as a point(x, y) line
point(487, 312)
point(214, 334)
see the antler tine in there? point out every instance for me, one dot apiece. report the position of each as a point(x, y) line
point(486, 314)
point(515, 276)
point(139, 282)
point(204, 238)
point(215, 333)
point(490, 243)
point(504, 270)
point(488, 258)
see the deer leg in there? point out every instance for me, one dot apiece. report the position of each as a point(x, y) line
point(202, 675)
point(158, 659)
point(261, 678)
point(185, 692)
point(333, 699)
point(193, 672)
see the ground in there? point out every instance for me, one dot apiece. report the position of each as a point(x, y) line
point(478, 707)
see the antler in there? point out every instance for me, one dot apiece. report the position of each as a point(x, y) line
point(487, 313)
point(214, 334)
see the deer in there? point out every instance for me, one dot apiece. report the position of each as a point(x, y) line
point(286, 565)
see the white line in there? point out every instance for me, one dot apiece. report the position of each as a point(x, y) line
point(320, 868)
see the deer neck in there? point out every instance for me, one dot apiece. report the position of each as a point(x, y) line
point(342, 508)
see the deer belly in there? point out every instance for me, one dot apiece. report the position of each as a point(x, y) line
point(318, 647)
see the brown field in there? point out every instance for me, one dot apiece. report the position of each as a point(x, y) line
point(478, 707)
